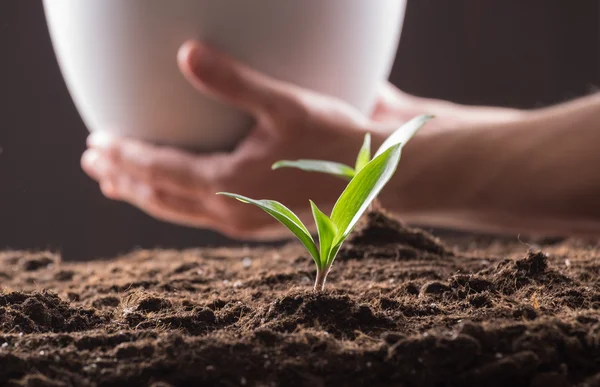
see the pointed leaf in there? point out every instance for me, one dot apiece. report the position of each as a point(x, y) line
point(364, 155)
point(327, 233)
point(362, 190)
point(286, 217)
point(333, 253)
point(342, 171)
point(404, 133)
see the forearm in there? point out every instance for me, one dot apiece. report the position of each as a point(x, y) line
point(504, 170)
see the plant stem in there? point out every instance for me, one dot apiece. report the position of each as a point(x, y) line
point(321, 277)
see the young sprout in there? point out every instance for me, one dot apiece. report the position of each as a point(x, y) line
point(366, 181)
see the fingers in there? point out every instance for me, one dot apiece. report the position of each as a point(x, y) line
point(164, 183)
point(165, 168)
point(158, 204)
point(184, 211)
point(230, 81)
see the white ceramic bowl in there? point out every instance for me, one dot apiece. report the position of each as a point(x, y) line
point(118, 58)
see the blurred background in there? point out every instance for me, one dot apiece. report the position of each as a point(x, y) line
point(513, 53)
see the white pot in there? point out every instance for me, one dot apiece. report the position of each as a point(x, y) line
point(118, 58)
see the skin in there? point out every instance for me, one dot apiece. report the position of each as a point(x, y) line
point(483, 168)
point(532, 172)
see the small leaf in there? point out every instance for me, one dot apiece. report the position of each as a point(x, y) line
point(327, 232)
point(364, 155)
point(404, 133)
point(362, 190)
point(286, 217)
point(340, 170)
point(333, 253)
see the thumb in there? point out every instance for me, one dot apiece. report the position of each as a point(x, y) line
point(230, 81)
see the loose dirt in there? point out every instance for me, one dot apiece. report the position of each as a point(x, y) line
point(401, 308)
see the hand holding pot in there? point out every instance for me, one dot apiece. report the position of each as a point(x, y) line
point(179, 187)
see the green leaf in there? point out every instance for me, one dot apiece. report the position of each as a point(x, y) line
point(362, 190)
point(327, 233)
point(285, 216)
point(404, 133)
point(364, 155)
point(333, 253)
point(342, 171)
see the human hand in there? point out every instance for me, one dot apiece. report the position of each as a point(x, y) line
point(179, 187)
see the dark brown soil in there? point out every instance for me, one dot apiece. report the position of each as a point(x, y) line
point(401, 309)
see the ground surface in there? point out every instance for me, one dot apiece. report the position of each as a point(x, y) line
point(400, 309)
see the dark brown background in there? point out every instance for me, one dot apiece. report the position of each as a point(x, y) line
point(521, 53)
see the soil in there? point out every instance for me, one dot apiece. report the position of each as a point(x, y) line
point(401, 308)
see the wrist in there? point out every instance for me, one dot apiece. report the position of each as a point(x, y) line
point(439, 157)
point(454, 116)
point(399, 107)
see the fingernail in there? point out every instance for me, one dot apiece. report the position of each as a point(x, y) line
point(96, 163)
point(89, 158)
point(100, 140)
point(89, 162)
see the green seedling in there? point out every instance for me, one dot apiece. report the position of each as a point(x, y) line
point(368, 178)
point(346, 172)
